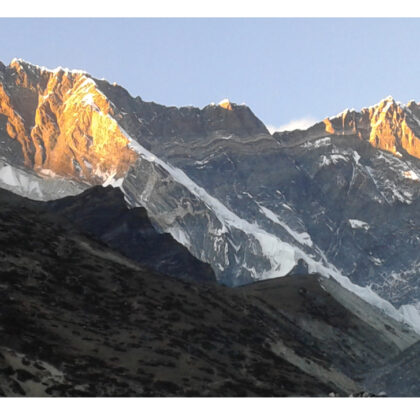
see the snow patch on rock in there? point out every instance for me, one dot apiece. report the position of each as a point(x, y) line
point(332, 159)
point(301, 237)
point(411, 175)
point(20, 182)
point(323, 142)
point(358, 224)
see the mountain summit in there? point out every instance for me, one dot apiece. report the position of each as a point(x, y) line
point(389, 126)
point(64, 124)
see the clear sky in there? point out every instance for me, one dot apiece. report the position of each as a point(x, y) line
point(284, 69)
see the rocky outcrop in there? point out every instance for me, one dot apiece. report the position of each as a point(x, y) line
point(388, 126)
point(64, 124)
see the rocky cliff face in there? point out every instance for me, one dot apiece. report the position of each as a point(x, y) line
point(388, 126)
point(363, 177)
point(63, 124)
point(339, 198)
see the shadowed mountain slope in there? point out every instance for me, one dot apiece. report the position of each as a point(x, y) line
point(79, 318)
point(103, 213)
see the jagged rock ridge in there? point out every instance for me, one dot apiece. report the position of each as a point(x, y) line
point(63, 123)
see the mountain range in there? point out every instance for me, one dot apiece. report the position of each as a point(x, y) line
point(208, 196)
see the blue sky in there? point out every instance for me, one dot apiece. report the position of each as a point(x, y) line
point(284, 69)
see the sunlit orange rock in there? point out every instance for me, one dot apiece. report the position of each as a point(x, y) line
point(385, 126)
point(390, 130)
point(15, 126)
point(225, 103)
point(328, 126)
point(67, 127)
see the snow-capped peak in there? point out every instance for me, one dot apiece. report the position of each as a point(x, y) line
point(42, 68)
point(225, 103)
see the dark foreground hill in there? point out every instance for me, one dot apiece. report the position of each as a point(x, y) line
point(80, 319)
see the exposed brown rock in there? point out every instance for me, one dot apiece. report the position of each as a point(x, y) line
point(69, 128)
point(15, 125)
point(385, 126)
point(328, 126)
point(225, 103)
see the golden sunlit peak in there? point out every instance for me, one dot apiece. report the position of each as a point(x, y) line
point(389, 100)
point(21, 62)
point(16, 63)
point(225, 103)
point(16, 60)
